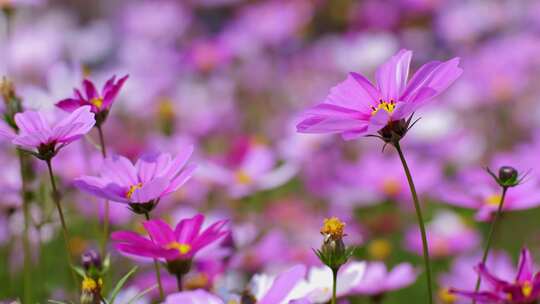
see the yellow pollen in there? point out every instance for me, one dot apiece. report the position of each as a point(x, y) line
point(90, 285)
point(333, 227)
point(387, 106)
point(526, 289)
point(97, 102)
point(132, 189)
point(181, 247)
point(242, 177)
point(379, 249)
point(493, 200)
point(446, 297)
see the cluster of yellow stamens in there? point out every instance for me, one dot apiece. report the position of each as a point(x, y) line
point(181, 247)
point(334, 228)
point(132, 189)
point(97, 102)
point(526, 289)
point(493, 200)
point(387, 106)
point(90, 285)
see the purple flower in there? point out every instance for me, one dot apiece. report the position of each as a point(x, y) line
point(356, 107)
point(377, 280)
point(165, 243)
point(525, 288)
point(100, 102)
point(45, 140)
point(152, 177)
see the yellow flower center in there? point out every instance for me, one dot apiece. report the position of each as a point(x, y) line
point(447, 297)
point(526, 289)
point(242, 177)
point(379, 249)
point(333, 227)
point(493, 200)
point(391, 187)
point(97, 102)
point(181, 247)
point(132, 189)
point(387, 106)
point(166, 108)
point(90, 285)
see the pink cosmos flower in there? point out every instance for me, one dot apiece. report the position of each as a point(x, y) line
point(100, 102)
point(356, 107)
point(377, 280)
point(525, 288)
point(43, 139)
point(182, 243)
point(152, 177)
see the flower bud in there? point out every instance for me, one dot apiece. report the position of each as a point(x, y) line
point(508, 175)
point(91, 259)
point(333, 252)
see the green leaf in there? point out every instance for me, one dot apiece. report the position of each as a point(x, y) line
point(142, 293)
point(79, 271)
point(121, 283)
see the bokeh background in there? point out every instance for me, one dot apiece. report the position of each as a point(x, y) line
point(231, 77)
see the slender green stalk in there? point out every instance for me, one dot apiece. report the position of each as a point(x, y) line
point(179, 281)
point(56, 199)
point(107, 207)
point(490, 236)
point(156, 267)
point(420, 221)
point(27, 284)
point(334, 285)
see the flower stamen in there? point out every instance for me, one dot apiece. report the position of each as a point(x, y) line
point(132, 189)
point(181, 247)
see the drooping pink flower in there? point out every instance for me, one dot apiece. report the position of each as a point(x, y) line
point(525, 288)
point(356, 107)
point(44, 139)
point(152, 177)
point(100, 102)
point(183, 242)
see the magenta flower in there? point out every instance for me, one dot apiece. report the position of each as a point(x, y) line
point(182, 243)
point(44, 140)
point(356, 107)
point(524, 289)
point(377, 280)
point(100, 103)
point(141, 185)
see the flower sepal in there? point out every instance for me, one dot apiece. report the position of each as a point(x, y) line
point(142, 208)
point(507, 176)
point(179, 266)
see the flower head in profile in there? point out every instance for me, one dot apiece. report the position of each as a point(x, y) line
point(100, 102)
point(44, 140)
point(180, 243)
point(141, 185)
point(333, 252)
point(525, 288)
point(356, 107)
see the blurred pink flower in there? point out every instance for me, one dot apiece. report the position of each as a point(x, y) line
point(377, 280)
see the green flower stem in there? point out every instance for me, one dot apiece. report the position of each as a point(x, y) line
point(156, 267)
point(420, 221)
point(334, 285)
point(27, 283)
point(490, 236)
point(103, 148)
point(56, 199)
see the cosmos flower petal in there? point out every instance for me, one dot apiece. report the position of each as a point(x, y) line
point(31, 122)
point(402, 275)
point(181, 179)
point(111, 89)
point(70, 104)
point(392, 75)
point(355, 93)
point(283, 284)
point(435, 75)
point(187, 229)
point(160, 231)
point(151, 165)
point(90, 89)
point(179, 162)
point(119, 170)
point(198, 296)
point(525, 266)
point(482, 297)
point(150, 191)
point(6, 132)
point(98, 187)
